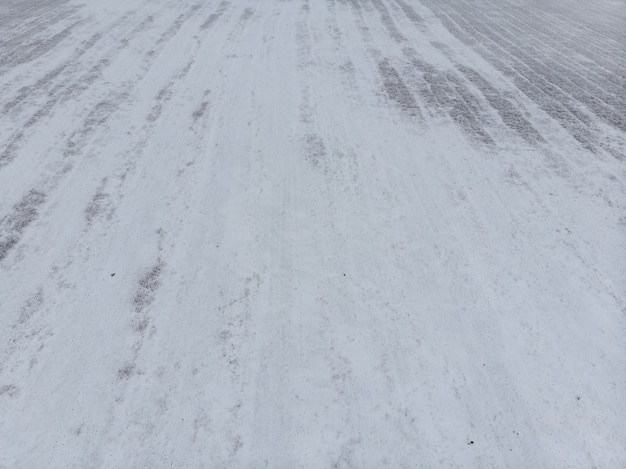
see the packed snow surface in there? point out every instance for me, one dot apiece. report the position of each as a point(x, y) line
point(312, 233)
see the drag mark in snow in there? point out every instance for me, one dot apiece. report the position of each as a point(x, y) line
point(13, 225)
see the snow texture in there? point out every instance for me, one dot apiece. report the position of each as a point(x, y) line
point(312, 233)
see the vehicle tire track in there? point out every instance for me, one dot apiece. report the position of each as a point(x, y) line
point(553, 85)
point(13, 225)
point(95, 121)
point(70, 88)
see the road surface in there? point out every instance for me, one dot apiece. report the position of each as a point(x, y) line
point(312, 233)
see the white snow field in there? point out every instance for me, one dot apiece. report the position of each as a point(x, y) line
point(313, 234)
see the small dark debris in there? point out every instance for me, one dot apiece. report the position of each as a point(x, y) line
point(471, 442)
point(578, 398)
point(113, 274)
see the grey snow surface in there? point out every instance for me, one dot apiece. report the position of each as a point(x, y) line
point(312, 233)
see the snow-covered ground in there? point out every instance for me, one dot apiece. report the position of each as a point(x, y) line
point(312, 233)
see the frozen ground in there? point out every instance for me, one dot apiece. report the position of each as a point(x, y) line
point(313, 233)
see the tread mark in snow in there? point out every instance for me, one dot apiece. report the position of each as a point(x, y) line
point(315, 150)
point(144, 296)
point(13, 225)
point(213, 17)
point(97, 204)
point(388, 22)
point(510, 116)
point(10, 390)
point(27, 335)
point(396, 88)
point(96, 118)
point(410, 13)
point(443, 91)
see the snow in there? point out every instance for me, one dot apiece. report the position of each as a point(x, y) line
point(297, 233)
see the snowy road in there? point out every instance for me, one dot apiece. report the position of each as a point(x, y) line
point(312, 233)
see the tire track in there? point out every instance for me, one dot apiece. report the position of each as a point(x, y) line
point(542, 93)
point(42, 84)
point(27, 211)
point(215, 16)
point(27, 31)
point(443, 92)
point(559, 46)
point(21, 53)
point(586, 92)
point(23, 214)
point(397, 90)
point(69, 89)
point(130, 157)
point(558, 89)
point(388, 22)
point(26, 339)
point(511, 117)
